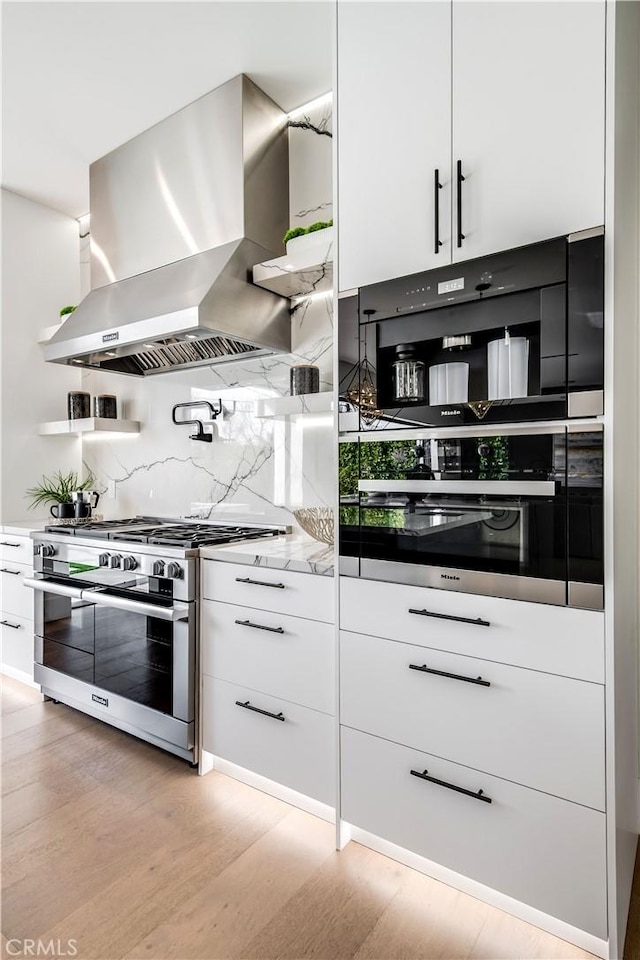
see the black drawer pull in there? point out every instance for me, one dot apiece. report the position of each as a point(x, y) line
point(14, 573)
point(260, 583)
point(443, 673)
point(265, 713)
point(447, 616)
point(477, 795)
point(259, 626)
point(14, 626)
point(5, 543)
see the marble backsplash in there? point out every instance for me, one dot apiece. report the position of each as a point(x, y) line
point(255, 469)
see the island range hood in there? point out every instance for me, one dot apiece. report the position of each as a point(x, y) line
point(179, 216)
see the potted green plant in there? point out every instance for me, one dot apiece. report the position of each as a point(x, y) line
point(55, 491)
point(65, 311)
point(318, 234)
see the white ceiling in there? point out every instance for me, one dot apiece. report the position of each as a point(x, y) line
point(80, 78)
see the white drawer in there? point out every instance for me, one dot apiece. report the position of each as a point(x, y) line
point(536, 729)
point(18, 549)
point(298, 751)
point(16, 643)
point(295, 594)
point(559, 640)
point(287, 657)
point(14, 596)
point(540, 850)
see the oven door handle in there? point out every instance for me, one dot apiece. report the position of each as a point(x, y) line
point(58, 589)
point(133, 606)
point(518, 488)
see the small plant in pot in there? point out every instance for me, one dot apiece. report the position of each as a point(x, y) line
point(55, 492)
point(65, 311)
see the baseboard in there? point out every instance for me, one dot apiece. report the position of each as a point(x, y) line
point(558, 928)
point(20, 675)
point(308, 804)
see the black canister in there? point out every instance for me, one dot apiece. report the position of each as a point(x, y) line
point(78, 405)
point(106, 405)
point(304, 378)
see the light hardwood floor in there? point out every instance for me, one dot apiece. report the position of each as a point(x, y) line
point(123, 849)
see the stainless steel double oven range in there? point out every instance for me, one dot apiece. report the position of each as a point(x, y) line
point(477, 460)
point(116, 622)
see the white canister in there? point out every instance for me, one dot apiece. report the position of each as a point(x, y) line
point(508, 367)
point(448, 383)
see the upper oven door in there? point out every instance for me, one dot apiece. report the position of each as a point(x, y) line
point(485, 514)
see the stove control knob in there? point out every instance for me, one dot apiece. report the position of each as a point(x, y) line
point(103, 559)
point(129, 563)
point(157, 568)
point(114, 561)
point(48, 550)
point(174, 570)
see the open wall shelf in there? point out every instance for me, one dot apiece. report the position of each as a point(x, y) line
point(75, 428)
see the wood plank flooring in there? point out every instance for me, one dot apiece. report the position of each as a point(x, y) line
point(124, 850)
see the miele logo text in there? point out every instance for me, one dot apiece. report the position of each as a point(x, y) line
point(450, 413)
point(447, 576)
point(102, 700)
point(107, 337)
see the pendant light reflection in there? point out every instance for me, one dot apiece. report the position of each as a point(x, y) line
point(358, 386)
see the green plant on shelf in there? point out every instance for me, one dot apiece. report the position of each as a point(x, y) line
point(301, 231)
point(65, 311)
point(58, 488)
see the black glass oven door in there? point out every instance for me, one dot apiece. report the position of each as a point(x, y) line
point(65, 622)
point(134, 647)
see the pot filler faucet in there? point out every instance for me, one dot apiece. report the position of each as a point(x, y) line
point(213, 414)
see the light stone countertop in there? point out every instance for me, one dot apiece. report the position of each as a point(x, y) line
point(295, 552)
point(22, 528)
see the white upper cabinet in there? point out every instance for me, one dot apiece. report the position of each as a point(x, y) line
point(513, 90)
point(528, 121)
point(394, 132)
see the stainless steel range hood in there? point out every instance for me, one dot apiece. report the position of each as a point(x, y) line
point(179, 216)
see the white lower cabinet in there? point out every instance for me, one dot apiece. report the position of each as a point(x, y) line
point(267, 658)
point(286, 657)
point(296, 750)
point(15, 597)
point(534, 728)
point(544, 851)
point(16, 645)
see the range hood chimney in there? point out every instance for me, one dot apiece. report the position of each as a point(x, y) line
point(179, 216)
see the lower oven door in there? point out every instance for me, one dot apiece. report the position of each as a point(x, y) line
point(144, 652)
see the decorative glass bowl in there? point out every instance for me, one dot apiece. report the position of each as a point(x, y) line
point(318, 522)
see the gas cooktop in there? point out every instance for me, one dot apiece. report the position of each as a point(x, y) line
point(170, 533)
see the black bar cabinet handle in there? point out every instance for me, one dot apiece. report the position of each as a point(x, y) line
point(447, 616)
point(259, 626)
point(5, 543)
point(260, 583)
point(476, 794)
point(460, 180)
point(437, 187)
point(14, 573)
point(14, 626)
point(265, 713)
point(452, 676)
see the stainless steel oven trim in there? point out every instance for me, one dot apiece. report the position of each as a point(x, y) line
point(586, 403)
point(57, 589)
point(587, 596)
point(178, 611)
point(164, 731)
point(422, 434)
point(516, 488)
point(464, 581)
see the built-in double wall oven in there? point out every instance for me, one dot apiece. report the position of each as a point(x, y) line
point(118, 641)
point(513, 512)
point(471, 453)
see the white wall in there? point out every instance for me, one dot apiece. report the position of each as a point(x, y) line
point(40, 274)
